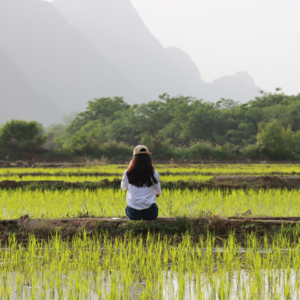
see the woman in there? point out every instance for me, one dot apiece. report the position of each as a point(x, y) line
point(143, 185)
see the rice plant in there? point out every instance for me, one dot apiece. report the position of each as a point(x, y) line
point(172, 203)
point(149, 267)
point(225, 169)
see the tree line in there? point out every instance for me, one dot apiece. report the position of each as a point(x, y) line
point(172, 127)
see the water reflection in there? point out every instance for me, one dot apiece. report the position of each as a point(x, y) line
point(243, 284)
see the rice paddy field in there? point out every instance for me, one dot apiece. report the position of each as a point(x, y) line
point(172, 203)
point(150, 265)
point(168, 168)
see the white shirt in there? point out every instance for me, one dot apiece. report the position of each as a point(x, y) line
point(140, 197)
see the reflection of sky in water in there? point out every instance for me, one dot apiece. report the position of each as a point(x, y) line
point(278, 284)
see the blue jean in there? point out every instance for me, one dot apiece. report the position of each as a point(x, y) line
point(150, 213)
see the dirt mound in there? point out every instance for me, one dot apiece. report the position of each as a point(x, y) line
point(45, 229)
point(288, 182)
point(223, 183)
point(10, 184)
point(6, 184)
point(105, 183)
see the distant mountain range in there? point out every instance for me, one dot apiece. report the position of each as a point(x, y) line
point(71, 51)
point(19, 100)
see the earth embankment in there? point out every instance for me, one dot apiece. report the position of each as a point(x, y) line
point(219, 182)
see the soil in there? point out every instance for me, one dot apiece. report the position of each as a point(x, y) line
point(222, 182)
point(288, 182)
point(44, 229)
point(75, 163)
point(98, 174)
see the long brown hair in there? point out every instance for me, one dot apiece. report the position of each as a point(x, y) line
point(141, 171)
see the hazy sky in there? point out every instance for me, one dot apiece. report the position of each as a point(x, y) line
point(223, 37)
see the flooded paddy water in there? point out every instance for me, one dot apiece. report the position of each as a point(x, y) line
point(150, 267)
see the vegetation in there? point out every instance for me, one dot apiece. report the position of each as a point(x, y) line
point(99, 267)
point(165, 169)
point(182, 128)
point(20, 136)
point(277, 141)
point(206, 257)
point(172, 203)
point(188, 128)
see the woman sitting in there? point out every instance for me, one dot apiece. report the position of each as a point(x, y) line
point(143, 185)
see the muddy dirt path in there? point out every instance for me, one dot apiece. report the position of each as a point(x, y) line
point(99, 174)
point(219, 182)
point(173, 228)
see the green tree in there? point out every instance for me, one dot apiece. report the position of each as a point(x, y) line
point(88, 138)
point(179, 122)
point(18, 135)
point(276, 141)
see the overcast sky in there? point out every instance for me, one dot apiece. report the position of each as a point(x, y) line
point(223, 37)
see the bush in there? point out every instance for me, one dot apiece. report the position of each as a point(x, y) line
point(114, 150)
point(160, 148)
point(204, 151)
point(20, 137)
point(252, 151)
point(276, 141)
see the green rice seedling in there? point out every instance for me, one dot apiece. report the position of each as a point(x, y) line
point(196, 169)
point(149, 267)
point(172, 203)
point(66, 178)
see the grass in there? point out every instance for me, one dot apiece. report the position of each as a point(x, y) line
point(150, 267)
point(225, 169)
point(67, 178)
point(172, 203)
point(150, 260)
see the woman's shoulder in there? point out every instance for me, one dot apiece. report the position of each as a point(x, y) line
point(156, 173)
point(125, 172)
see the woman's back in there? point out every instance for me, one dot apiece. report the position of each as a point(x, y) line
point(143, 185)
point(141, 197)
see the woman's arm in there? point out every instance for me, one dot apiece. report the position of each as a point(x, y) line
point(156, 186)
point(124, 182)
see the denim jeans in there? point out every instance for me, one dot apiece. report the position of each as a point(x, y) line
point(150, 213)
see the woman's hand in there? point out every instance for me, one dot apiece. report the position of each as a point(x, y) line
point(157, 195)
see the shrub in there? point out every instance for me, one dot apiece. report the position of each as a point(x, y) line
point(276, 141)
point(204, 151)
point(252, 151)
point(17, 137)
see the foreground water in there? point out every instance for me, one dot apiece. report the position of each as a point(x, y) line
point(150, 267)
point(275, 284)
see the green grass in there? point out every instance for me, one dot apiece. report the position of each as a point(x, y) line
point(172, 203)
point(67, 178)
point(199, 168)
point(159, 268)
point(151, 260)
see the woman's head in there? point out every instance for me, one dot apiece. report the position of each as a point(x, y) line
point(141, 171)
point(140, 149)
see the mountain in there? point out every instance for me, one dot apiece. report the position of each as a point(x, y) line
point(58, 59)
point(239, 87)
point(72, 51)
point(118, 33)
point(183, 62)
point(19, 100)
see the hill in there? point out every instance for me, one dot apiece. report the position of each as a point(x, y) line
point(19, 100)
point(239, 87)
point(58, 59)
point(119, 34)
